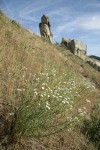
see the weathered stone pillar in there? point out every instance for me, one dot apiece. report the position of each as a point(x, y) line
point(45, 28)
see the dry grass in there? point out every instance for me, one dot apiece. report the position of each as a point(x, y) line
point(23, 55)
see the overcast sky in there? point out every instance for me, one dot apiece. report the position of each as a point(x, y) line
point(76, 19)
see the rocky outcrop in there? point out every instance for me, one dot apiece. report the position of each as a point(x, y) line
point(45, 28)
point(75, 46)
point(97, 58)
point(94, 63)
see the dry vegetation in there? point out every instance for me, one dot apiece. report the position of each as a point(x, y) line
point(45, 93)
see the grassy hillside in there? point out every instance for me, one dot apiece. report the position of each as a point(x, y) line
point(46, 93)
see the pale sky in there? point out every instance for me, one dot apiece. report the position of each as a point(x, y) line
point(75, 19)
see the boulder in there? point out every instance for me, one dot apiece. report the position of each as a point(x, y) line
point(66, 42)
point(75, 46)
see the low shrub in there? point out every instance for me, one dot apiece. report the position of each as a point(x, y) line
point(92, 126)
point(15, 23)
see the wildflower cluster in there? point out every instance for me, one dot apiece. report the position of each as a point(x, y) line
point(53, 89)
point(49, 102)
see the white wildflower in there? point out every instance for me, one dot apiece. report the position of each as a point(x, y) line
point(64, 101)
point(76, 118)
point(60, 96)
point(88, 101)
point(47, 105)
point(35, 93)
point(48, 96)
point(11, 114)
point(69, 129)
point(41, 95)
point(84, 108)
point(82, 114)
point(20, 90)
point(42, 88)
point(79, 110)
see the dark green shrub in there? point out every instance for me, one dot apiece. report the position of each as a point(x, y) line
point(15, 23)
point(9, 34)
point(92, 127)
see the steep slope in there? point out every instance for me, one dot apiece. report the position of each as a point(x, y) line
point(80, 67)
point(44, 90)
